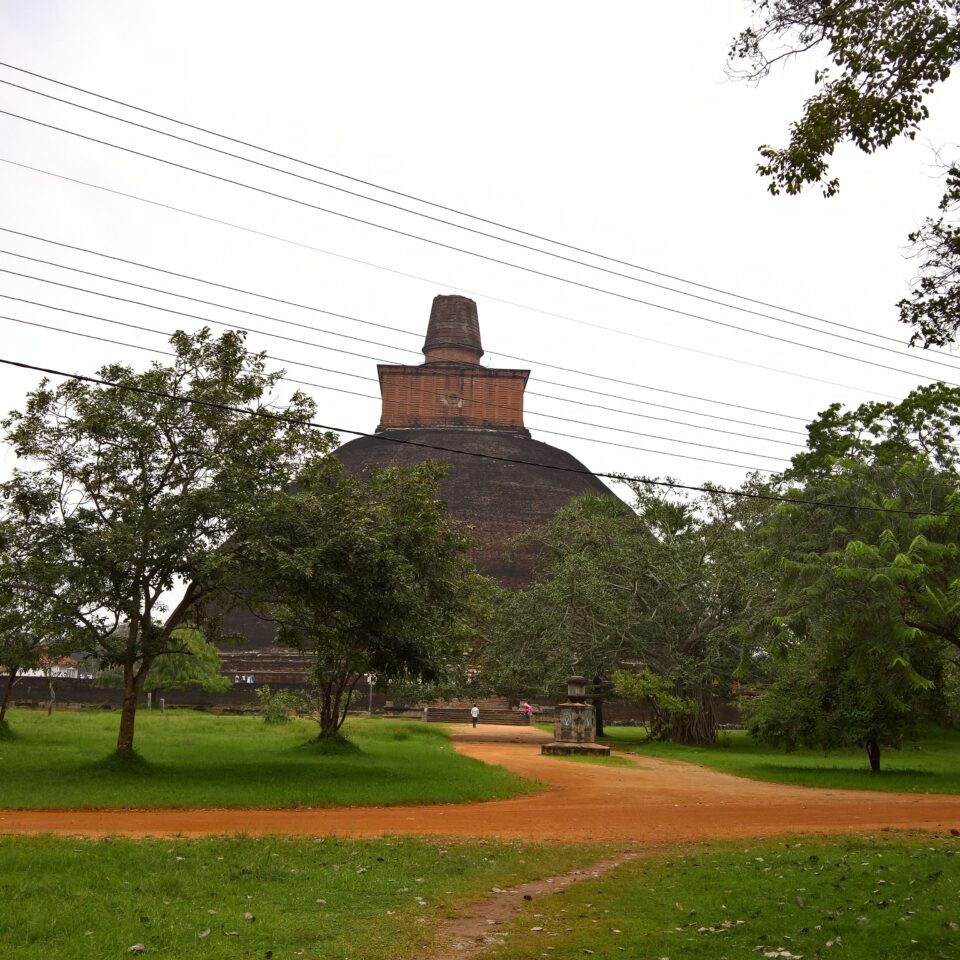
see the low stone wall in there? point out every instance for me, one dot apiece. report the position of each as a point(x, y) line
point(239, 698)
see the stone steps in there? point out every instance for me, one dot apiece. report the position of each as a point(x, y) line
point(513, 718)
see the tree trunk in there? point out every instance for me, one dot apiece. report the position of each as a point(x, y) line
point(598, 712)
point(11, 679)
point(128, 712)
point(697, 729)
point(873, 754)
point(53, 696)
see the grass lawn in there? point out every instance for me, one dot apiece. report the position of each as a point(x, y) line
point(190, 759)
point(599, 761)
point(858, 899)
point(931, 765)
point(258, 898)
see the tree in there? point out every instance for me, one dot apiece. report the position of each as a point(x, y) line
point(885, 59)
point(661, 588)
point(191, 661)
point(362, 574)
point(869, 593)
point(137, 485)
point(850, 668)
point(577, 616)
point(30, 632)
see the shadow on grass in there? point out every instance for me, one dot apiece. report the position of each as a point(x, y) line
point(338, 746)
point(7, 732)
point(786, 769)
point(126, 763)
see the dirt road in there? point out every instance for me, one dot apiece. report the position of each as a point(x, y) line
point(655, 800)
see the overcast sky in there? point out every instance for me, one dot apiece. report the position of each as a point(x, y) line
point(609, 126)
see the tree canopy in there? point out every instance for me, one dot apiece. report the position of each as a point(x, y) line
point(362, 574)
point(659, 588)
point(854, 639)
point(137, 486)
point(883, 61)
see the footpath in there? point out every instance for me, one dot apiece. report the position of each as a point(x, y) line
point(651, 801)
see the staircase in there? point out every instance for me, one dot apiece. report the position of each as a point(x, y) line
point(273, 665)
point(513, 718)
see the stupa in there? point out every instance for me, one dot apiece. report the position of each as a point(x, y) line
point(456, 408)
point(452, 402)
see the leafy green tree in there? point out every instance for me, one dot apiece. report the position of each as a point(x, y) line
point(869, 592)
point(137, 486)
point(30, 631)
point(362, 574)
point(662, 588)
point(643, 686)
point(850, 668)
point(884, 60)
point(191, 661)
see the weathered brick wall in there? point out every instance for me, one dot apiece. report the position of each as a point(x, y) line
point(451, 395)
point(33, 692)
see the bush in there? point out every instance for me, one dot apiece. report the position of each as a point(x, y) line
point(278, 705)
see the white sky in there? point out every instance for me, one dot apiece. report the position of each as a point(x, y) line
point(610, 126)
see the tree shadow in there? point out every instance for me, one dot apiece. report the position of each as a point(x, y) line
point(864, 771)
point(126, 763)
point(337, 746)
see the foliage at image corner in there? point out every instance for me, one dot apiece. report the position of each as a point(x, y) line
point(880, 63)
point(863, 633)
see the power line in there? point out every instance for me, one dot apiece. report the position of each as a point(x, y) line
point(452, 247)
point(295, 421)
point(426, 202)
point(319, 346)
point(482, 233)
point(134, 326)
point(400, 273)
point(681, 456)
point(343, 316)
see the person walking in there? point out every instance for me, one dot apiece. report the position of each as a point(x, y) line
point(474, 715)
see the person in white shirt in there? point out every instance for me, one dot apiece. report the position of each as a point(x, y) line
point(474, 714)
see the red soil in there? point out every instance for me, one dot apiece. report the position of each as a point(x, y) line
point(655, 800)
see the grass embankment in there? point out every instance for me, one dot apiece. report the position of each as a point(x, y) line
point(599, 761)
point(930, 765)
point(189, 759)
point(366, 900)
point(861, 899)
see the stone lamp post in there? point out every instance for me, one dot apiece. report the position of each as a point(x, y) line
point(575, 724)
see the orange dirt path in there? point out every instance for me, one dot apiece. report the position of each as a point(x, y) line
point(655, 800)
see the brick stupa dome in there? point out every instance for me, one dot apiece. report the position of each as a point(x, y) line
point(452, 402)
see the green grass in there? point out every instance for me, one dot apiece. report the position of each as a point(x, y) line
point(599, 761)
point(931, 765)
point(857, 899)
point(190, 759)
point(363, 900)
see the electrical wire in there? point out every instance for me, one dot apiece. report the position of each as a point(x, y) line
point(139, 327)
point(452, 247)
point(265, 316)
point(422, 200)
point(295, 421)
point(482, 233)
point(400, 273)
point(90, 336)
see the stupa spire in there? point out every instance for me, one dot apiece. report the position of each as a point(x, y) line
point(453, 334)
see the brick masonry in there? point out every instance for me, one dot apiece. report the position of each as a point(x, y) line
point(451, 395)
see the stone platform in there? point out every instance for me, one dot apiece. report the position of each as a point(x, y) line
point(562, 748)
